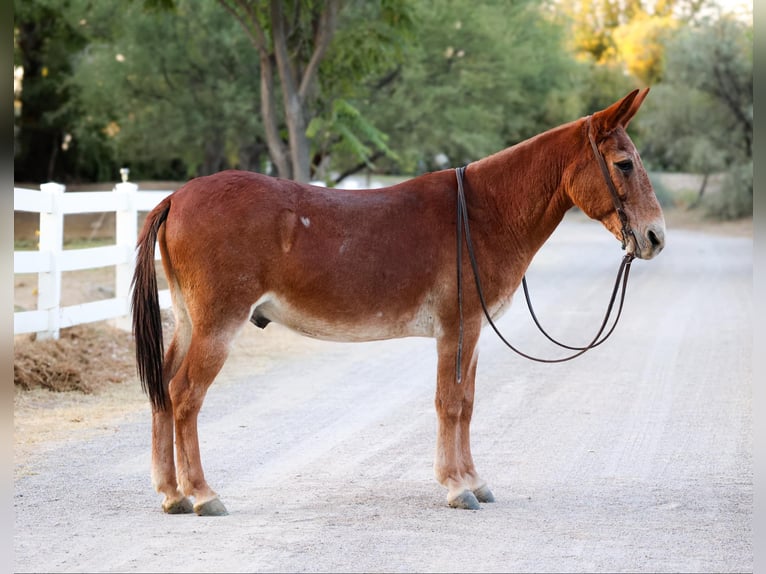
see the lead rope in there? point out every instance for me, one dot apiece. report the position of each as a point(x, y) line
point(620, 285)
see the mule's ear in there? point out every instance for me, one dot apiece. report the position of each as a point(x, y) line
point(637, 101)
point(619, 113)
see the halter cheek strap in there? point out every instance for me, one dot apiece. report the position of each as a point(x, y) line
point(618, 206)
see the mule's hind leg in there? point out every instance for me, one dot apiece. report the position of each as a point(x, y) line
point(208, 351)
point(163, 463)
point(454, 466)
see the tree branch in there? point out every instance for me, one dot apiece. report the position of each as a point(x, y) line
point(325, 31)
point(247, 19)
point(358, 167)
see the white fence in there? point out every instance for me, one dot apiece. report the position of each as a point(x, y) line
point(51, 259)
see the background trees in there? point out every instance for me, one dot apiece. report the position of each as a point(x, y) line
point(701, 116)
point(322, 88)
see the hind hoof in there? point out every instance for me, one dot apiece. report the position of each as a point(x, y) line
point(466, 500)
point(180, 506)
point(212, 507)
point(484, 494)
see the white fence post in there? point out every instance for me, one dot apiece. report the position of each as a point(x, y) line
point(126, 233)
point(52, 242)
point(51, 259)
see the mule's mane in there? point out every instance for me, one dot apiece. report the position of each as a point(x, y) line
point(538, 160)
point(525, 182)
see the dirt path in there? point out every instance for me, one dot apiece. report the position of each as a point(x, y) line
point(636, 457)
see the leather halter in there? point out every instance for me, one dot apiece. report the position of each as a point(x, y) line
point(620, 283)
point(618, 207)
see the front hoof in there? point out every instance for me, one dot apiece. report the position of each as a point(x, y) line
point(484, 494)
point(180, 506)
point(466, 500)
point(212, 507)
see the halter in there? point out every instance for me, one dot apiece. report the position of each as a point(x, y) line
point(618, 207)
point(620, 283)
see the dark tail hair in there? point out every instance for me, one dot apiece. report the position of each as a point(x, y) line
point(145, 306)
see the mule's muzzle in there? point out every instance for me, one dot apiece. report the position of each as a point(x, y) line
point(648, 242)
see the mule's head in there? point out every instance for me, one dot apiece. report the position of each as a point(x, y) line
point(589, 186)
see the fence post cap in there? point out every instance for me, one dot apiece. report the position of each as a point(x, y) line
point(126, 186)
point(52, 187)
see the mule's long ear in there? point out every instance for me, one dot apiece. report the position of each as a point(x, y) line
point(619, 113)
point(637, 101)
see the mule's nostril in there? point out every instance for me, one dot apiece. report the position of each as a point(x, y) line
point(653, 239)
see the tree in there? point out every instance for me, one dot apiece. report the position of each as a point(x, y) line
point(701, 117)
point(479, 77)
point(640, 45)
point(707, 94)
point(42, 42)
point(292, 40)
point(597, 25)
point(164, 98)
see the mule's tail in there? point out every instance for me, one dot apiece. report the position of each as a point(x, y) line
point(145, 306)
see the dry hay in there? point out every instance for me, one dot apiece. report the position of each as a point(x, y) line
point(85, 358)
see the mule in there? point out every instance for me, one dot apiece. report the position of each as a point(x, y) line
point(364, 265)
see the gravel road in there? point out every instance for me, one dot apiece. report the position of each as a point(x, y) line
point(636, 457)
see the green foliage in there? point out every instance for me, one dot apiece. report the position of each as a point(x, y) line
point(735, 199)
point(43, 42)
point(172, 88)
point(700, 118)
point(664, 196)
point(348, 134)
point(367, 52)
point(173, 94)
point(472, 83)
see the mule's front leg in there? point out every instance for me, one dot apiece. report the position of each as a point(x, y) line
point(454, 466)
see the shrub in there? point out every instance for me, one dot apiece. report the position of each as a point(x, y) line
point(735, 200)
point(664, 196)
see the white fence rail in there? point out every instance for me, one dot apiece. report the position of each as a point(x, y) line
point(51, 259)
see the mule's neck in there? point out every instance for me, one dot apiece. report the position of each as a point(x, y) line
point(524, 188)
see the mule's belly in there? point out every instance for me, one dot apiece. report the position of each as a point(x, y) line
point(375, 325)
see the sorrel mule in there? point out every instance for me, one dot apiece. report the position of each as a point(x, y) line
point(360, 266)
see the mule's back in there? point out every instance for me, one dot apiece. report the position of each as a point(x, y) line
point(333, 264)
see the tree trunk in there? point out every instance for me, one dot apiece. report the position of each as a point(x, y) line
point(294, 110)
point(701, 191)
point(276, 146)
point(296, 88)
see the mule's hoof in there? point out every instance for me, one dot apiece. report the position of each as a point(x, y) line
point(212, 507)
point(484, 494)
point(180, 506)
point(466, 500)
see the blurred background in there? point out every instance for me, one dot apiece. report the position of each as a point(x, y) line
point(326, 90)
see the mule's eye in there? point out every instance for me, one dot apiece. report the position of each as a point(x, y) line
point(625, 166)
